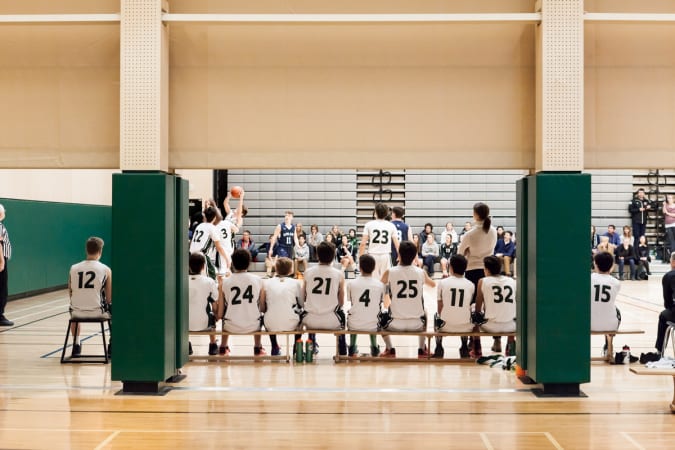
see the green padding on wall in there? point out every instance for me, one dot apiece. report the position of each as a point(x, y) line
point(48, 237)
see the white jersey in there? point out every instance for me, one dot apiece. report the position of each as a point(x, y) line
point(203, 240)
point(227, 231)
point(499, 293)
point(378, 234)
point(406, 285)
point(241, 296)
point(203, 292)
point(604, 289)
point(456, 294)
point(283, 296)
point(88, 280)
point(366, 295)
point(321, 290)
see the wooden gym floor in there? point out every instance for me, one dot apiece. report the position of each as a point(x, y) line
point(44, 404)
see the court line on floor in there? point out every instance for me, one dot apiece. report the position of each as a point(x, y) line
point(41, 312)
point(632, 441)
point(60, 349)
point(31, 322)
point(41, 305)
point(108, 440)
point(283, 430)
point(486, 441)
point(555, 443)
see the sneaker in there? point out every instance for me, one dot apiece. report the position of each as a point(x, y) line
point(476, 353)
point(353, 350)
point(190, 348)
point(464, 352)
point(649, 357)
point(633, 359)
point(259, 351)
point(316, 348)
point(388, 353)
point(276, 351)
point(497, 345)
point(213, 349)
point(5, 322)
point(77, 350)
point(375, 351)
point(510, 349)
point(422, 353)
point(222, 350)
point(439, 352)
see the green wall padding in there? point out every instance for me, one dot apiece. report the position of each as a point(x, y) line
point(48, 237)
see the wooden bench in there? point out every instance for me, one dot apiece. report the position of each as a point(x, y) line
point(285, 357)
point(609, 356)
point(668, 372)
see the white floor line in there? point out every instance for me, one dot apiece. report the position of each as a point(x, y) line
point(553, 441)
point(42, 312)
point(41, 305)
point(632, 441)
point(486, 441)
point(107, 441)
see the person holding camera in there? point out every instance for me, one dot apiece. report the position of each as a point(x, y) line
point(638, 212)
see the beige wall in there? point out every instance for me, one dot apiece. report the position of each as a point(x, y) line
point(68, 186)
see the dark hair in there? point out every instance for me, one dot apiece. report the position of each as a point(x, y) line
point(241, 259)
point(604, 261)
point(210, 213)
point(244, 210)
point(325, 251)
point(458, 264)
point(483, 212)
point(94, 245)
point(366, 264)
point(381, 210)
point(428, 225)
point(284, 266)
point(196, 263)
point(492, 264)
point(509, 232)
point(611, 226)
point(407, 251)
point(398, 211)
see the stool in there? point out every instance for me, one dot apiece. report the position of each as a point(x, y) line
point(670, 335)
point(86, 358)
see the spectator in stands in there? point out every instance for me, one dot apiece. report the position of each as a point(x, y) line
point(625, 253)
point(449, 229)
point(614, 238)
point(330, 238)
point(5, 255)
point(505, 251)
point(448, 250)
point(668, 314)
point(314, 239)
point(595, 240)
point(301, 256)
point(299, 231)
point(337, 234)
point(626, 235)
point(246, 243)
point(353, 238)
point(605, 246)
point(428, 228)
point(642, 254)
point(466, 229)
point(416, 241)
point(669, 216)
point(639, 209)
point(346, 254)
point(269, 249)
point(430, 253)
point(500, 232)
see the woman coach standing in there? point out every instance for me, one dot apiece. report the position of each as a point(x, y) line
point(476, 244)
point(5, 254)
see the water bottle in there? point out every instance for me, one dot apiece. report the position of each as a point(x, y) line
point(299, 351)
point(309, 351)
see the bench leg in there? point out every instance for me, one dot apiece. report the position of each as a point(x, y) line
point(610, 347)
point(105, 347)
point(672, 405)
point(65, 343)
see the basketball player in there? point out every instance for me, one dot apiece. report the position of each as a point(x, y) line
point(403, 231)
point(285, 234)
point(605, 316)
point(205, 299)
point(454, 304)
point(243, 301)
point(236, 216)
point(90, 287)
point(207, 240)
point(405, 284)
point(325, 295)
point(284, 296)
point(379, 235)
point(227, 231)
point(366, 295)
point(496, 298)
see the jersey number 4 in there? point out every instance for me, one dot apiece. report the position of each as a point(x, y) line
point(499, 295)
point(365, 298)
point(89, 283)
point(248, 294)
point(602, 292)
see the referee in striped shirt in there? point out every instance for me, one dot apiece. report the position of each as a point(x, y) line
point(5, 255)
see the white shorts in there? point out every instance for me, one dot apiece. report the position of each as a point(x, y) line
point(328, 321)
point(499, 327)
point(382, 264)
point(357, 323)
point(456, 328)
point(281, 323)
point(407, 325)
point(90, 315)
point(232, 327)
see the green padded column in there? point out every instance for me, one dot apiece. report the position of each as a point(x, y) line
point(144, 279)
point(522, 271)
point(558, 281)
point(182, 249)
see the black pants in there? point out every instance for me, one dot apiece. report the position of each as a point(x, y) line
point(670, 234)
point(3, 289)
point(639, 229)
point(667, 315)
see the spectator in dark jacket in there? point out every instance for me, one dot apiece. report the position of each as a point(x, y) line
point(626, 254)
point(638, 209)
point(505, 250)
point(246, 243)
point(642, 253)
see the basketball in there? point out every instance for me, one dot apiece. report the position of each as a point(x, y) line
point(236, 191)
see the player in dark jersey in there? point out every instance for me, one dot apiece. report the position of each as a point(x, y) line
point(284, 235)
point(403, 230)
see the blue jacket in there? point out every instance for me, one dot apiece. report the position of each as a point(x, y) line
point(504, 248)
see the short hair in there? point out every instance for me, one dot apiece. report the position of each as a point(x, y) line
point(283, 267)
point(196, 263)
point(458, 264)
point(244, 210)
point(408, 251)
point(398, 211)
point(672, 256)
point(381, 210)
point(210, 213)
point(428, 225)
point(492, 264)
point(509, 232)
point(603, 261)
point(94, 245)
point(288, 211)
point(241, 259)
point(325, 251)
point(611, 226)
point(366, 264)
